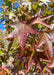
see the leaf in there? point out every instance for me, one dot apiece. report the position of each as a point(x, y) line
point(48, 66)
point(51, 65)
point(30, 60)
point(49, 46)
point(10, 44)
point(35, 6)
point(51, 36)
point(21, 30)
point(39, 65)
point(1, 53)
point(41, 21)
point(48, 41)
point(48, 70)
point(40, 42)
point(6, 70)
point(30, 65)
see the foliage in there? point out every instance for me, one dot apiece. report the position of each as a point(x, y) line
point(29, 37)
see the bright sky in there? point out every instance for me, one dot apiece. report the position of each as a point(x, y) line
point(1, 25)
point(16, 5)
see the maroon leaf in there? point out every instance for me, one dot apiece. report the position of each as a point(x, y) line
point(21, 30)
point(10, 44)
point(30, 65)
point(40, 42)
point(48, 70)
point(39, 65)
point(50, 65)
point(51, 36)
point(41, 21)
point(49, 46)
point(48, 41)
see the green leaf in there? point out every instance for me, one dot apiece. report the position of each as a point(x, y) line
point(35, 6)
point(1, 53)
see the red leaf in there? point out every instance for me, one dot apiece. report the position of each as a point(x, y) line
point(49, 46)
point(47, 69)
point(41, 21)
point(48, 41)
point(51, 36)
point(10, 44)
point(51, 65)
point(21, 30)
point(39, 65)
point(30, 65)
point(6, 70)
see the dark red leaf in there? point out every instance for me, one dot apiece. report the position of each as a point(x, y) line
point(21, 30)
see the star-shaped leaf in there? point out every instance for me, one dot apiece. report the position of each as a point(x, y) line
point(47, 39)
point(21, 30)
